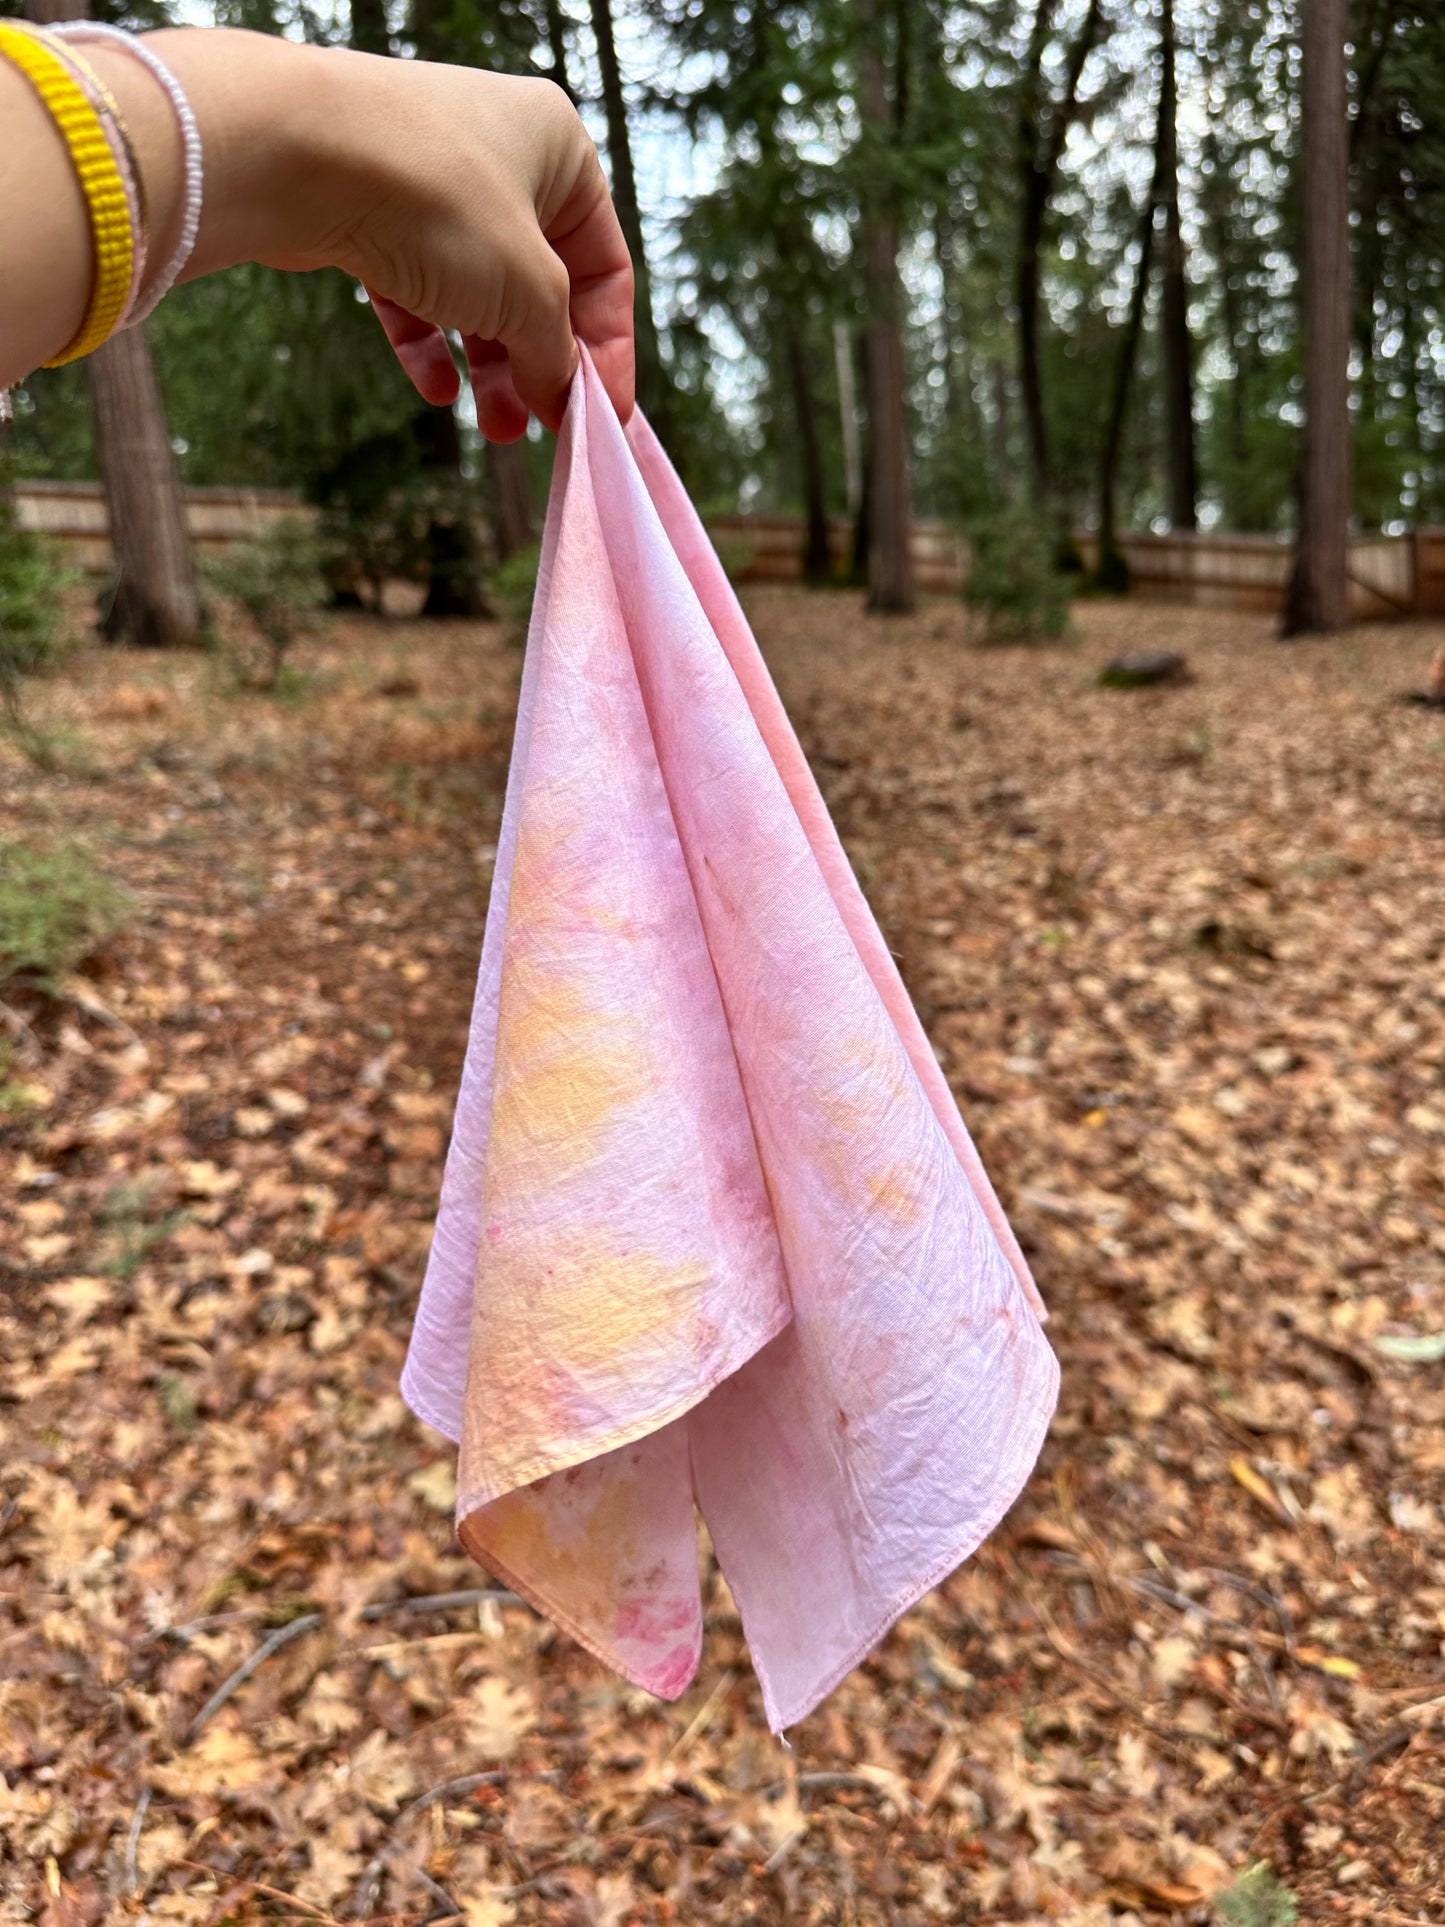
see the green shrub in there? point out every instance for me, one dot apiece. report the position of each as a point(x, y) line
point(1014, 586)
point(56, 908)
point(736, 554)
point(1256, 1899)
point(513, 583)
point(279, 582)
point(31, 581)
point(386, 519)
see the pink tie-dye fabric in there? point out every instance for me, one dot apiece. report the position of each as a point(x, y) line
point(712, 1233)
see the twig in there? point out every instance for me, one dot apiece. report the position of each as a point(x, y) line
point(439, 1892)
point(465, 1783)
point(702, 1717)
point(308, 1622)
point(780, 1854)
point(440, 1602)
point(132, 1876)
point(306, 1910)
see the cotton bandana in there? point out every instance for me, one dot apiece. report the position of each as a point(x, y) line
point(712, 1234)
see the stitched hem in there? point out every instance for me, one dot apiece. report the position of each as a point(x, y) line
point(537, 1600)
point(581, 1452)
point(421, 1405)
point(780, 1720)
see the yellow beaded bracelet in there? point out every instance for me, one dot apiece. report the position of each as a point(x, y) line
point(100, 182)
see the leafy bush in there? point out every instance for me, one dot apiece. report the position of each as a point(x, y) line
point(278, 581)
point(1256, 1899)
point(513, 583)
point(736, 554)
point(30, 584)
point(56, 908)
point(1014, 586)
point(385, 518)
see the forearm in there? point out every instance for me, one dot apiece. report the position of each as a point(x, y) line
point(274, 127)
point(469, 204)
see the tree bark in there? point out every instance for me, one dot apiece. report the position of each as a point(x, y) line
point(1178, 350)
point(890, 566)
point(1318, 599)
point(557, 46)
point(817, 562)
point(511, 480)
point(848, 416)
point(369, 31)
point(155, 601)
point(1040, 149)
point(651, 378)
point(1112, 571)
point(1002, 461)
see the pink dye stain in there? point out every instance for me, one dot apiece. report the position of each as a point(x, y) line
point(674, 1673)
point(651, 1620)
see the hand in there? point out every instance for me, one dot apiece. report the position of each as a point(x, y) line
point(505, 232)
point(463, 200)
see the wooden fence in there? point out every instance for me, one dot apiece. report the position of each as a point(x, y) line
point(74, 513)
point(1390, 575)
point(769, 548)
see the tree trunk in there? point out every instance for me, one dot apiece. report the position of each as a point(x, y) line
point(1035, 194)
point(511, 479)
point(369, 31)
point(1319, 589)
point(1040, 149)
point(817, 562)
point(557, 46)
point(651, 379)
point(1112, 571)
point(155, 601)
point(848, 416)
point(1002, 460)
point(1178, 353)
point(890, 566)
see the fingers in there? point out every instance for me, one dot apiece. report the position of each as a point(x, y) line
point(501, 412)
point(421, 349)
point(536, 333)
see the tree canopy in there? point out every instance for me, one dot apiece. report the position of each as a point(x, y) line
point(1096, 215)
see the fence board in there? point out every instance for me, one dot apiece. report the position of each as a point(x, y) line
point(1390, 576)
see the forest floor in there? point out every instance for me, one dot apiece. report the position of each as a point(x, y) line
point(1183, 954)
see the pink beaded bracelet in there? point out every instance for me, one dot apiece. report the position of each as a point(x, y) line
point(83, 30)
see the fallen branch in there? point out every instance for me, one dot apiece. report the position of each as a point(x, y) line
point(132, 1876)
point(273, 1643)
point(441, 1602)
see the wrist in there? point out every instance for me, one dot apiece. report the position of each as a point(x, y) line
point(276, 121)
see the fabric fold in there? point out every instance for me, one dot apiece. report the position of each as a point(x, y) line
point(712, 1230)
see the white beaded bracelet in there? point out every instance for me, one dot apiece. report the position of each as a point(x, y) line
point(190, 144)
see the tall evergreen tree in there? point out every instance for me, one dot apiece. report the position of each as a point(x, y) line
point(1043, 125)
point(1178, 348)
point(1319, 589)
point(883, 113)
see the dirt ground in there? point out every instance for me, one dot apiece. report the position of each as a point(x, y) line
point(1182, 952)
